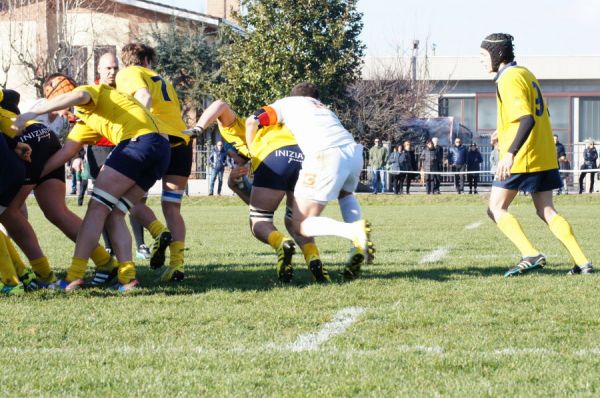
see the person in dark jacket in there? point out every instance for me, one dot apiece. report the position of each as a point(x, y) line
point(408, 162)
point(457, 159)
point(217, 160)
point(590, 156)
point(474, 160)
point(429, 163)
point(560, 148)
point(440, 165)
point(394, 169)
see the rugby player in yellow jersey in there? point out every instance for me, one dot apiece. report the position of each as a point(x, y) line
point(140, 158)
point(527, 156)
point(49, 191)
point(158, 95)
point(276, 162)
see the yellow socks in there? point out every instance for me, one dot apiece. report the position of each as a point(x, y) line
point(77, 269)
point(564, 233)
point(310, 252)
point(14, 256)
point(100, 256)
point(126, 272)
point(41, 267)
point(176, 249)
point(275, 238)
point(510, 227)
point(8, 273)
point(155, 228)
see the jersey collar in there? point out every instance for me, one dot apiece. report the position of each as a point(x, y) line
point(505, 67)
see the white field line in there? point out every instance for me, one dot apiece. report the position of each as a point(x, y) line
point(435, 256)
point(342, 320)
point(475, 225)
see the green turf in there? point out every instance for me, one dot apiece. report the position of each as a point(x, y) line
point(454, 327)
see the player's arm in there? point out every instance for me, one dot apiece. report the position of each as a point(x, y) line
point(59, 102)
point(143, 95)
point(62, 156)
point(265, 116)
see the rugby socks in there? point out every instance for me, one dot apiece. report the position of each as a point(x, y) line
point(275, 238)
point(155, 228)
point(350, 209)
point(564, 233)
point(323, 226)
point(138, 230)
point(126, 272)
point(176, 248)
point(511, 227)
point(100, 256)
point(77, 269)
point(41, 267)
point(8, 274)
point(14, 256)
point(310, 251)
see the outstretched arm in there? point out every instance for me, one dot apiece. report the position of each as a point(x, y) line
point(61, 157)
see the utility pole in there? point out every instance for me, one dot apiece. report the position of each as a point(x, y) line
point(415, 52)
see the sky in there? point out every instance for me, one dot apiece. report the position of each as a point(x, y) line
point(456, 27)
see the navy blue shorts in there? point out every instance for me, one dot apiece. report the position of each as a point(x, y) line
point(97, 155)
point(44, 143)
point(540, 181)
point(12, 173)
point(280, 169)
point(181, 160)
point(143, 159)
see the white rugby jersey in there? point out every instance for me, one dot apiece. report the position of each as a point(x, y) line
point(314, 125)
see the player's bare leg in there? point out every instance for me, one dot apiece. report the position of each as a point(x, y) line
point(173, 188)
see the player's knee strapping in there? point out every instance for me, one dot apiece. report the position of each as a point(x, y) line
point(172, 196)
point(104, 198)
point(257, 215)
point(124, 205)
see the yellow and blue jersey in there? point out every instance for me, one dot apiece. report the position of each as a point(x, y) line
point(165, 104)
point(519, 94)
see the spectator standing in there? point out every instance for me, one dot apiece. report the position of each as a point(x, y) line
point(217, 160)
point(564, 165)
point(429, 163)
point(378, 155)
point(408, 162)
point(440, 165)
point(474, 160)
point(457, 159)
point(590, 156)
point(394, 169)
point(560, 148)
point(494, 156)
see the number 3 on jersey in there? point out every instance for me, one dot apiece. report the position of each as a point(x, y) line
point(539, 100)
point(163, 87)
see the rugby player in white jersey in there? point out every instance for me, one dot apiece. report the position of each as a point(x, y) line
point(331, 169)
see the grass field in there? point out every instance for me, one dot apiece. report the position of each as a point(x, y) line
point(432, 316)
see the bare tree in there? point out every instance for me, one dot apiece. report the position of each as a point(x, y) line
point(50, 47)
point(390, 92)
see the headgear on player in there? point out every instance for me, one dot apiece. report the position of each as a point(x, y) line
point(500, 47)
point(9, 100)
point(56, 84)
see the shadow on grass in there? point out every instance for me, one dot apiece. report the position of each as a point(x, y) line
point(447, 274)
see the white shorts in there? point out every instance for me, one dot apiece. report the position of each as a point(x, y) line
point(325, 173)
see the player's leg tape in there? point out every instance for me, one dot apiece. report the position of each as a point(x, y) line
point(288, 213)
point(104, 198)
point(124, 205)
point(172, 196)
point(257, 215)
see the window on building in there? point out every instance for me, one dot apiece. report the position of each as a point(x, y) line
point(462, 109)
point(77, 68)
point(486, 113)
point(589, 118)
point(559, 108)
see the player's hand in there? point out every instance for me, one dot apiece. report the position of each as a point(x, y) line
point(239, 172)
point(504, 166)
point(23, 151)
point(20, 121)
point(194, 132)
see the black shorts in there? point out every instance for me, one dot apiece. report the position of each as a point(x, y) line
point(280, 169)
point(540, 181)
point(181, 160)
point(44, 143)
point(97, 155)
point(12, 173)
point(143, 159)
